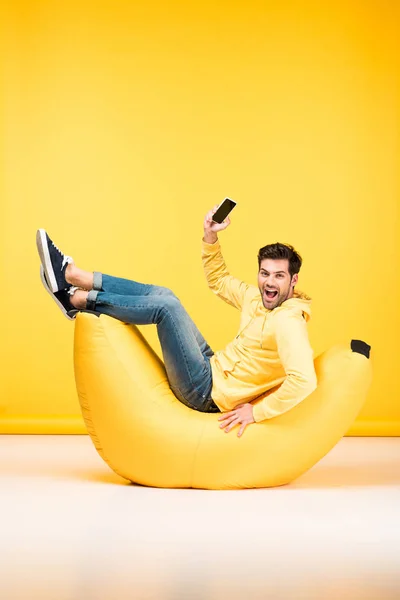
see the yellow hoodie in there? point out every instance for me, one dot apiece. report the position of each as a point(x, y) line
point(271, 348)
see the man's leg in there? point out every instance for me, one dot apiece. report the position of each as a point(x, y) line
point(186, 354)
point(126, 287)
point(187, 365)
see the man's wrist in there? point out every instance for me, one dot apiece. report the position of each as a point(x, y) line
point(210, 237)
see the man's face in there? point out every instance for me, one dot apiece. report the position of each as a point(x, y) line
point(274, 275)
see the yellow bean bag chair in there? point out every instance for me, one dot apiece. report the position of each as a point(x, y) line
point(147, 436)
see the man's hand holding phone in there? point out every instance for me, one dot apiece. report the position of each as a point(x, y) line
point(212, 227)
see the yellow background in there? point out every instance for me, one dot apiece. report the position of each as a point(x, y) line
point(125, 122)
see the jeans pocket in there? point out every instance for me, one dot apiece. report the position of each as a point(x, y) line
point(186, 399)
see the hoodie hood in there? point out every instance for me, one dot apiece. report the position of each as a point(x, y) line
point(299, 301)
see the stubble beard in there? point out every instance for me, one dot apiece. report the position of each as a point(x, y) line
point(280, 299)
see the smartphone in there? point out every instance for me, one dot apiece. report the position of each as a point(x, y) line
point(223, 210)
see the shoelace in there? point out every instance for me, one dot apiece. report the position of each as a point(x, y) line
point(73, 289)
point(66, 259)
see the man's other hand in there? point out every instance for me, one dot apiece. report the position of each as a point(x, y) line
point(241, 415)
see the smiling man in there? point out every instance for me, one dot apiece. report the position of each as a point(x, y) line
point(271, 349)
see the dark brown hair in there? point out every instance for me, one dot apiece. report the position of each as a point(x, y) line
point(279, 251)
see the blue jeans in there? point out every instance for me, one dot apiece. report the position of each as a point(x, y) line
point(186, 353)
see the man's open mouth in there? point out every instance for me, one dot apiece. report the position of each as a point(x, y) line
point(271, 294)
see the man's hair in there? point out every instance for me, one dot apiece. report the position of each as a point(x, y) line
point(279, 251)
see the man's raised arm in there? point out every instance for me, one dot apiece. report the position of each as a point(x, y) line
point(227, 287)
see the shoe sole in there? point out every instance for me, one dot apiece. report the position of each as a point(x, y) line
point(60, 306)
point(43, 249)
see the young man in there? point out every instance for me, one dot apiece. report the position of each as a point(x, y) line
point(271, 348)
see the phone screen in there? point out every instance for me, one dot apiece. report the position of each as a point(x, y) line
point(223, 211)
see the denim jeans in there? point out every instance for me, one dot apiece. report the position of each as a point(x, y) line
point(185, 352)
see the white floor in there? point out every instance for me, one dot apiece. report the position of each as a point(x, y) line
point(71, 529)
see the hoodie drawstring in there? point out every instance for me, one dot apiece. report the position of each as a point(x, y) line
point(262, 331)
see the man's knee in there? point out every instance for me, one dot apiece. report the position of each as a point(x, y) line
point(171, 303)
point(169, 295)
point(164, 291)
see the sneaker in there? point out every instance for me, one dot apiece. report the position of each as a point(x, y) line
point(54, 262)
point(62, 297)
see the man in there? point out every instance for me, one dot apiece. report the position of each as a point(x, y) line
point(271, 348)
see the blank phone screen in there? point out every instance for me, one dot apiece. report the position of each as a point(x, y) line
point(223, 211)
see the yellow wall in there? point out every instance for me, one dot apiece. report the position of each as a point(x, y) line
point(124, 122)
